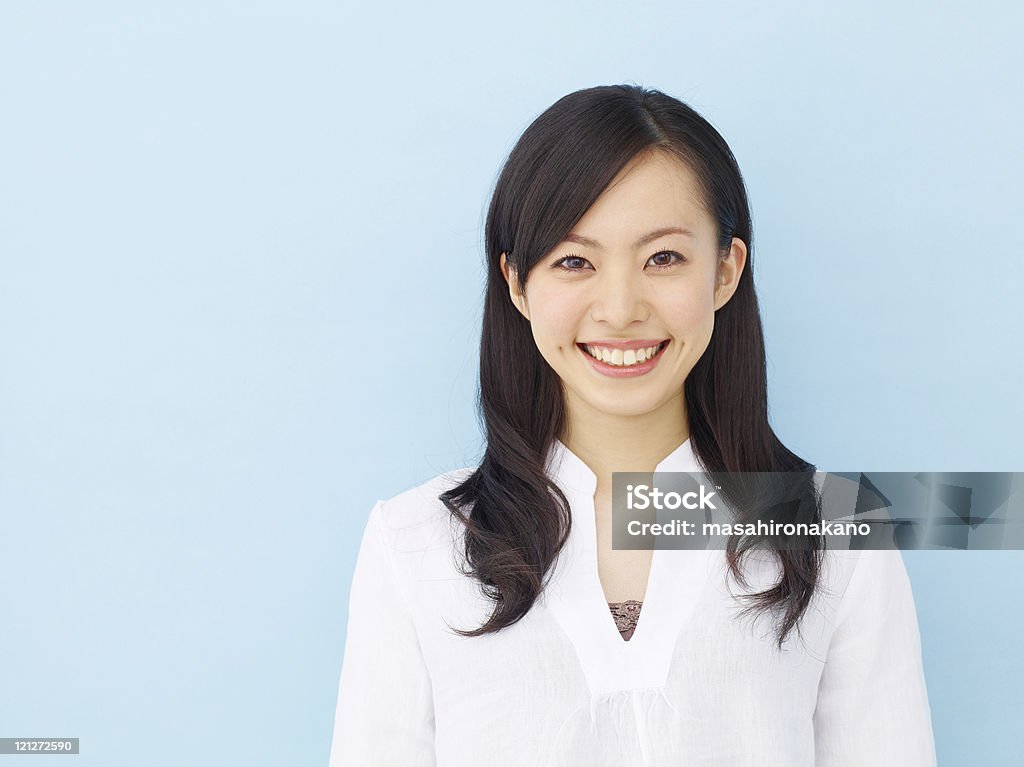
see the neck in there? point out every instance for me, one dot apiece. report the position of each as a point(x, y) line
point(607, 443)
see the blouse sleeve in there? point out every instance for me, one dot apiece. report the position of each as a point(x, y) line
point(872, 705)
point(385, 710)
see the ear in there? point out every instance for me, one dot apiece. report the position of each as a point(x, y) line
point(730, 267)
point(518, 298)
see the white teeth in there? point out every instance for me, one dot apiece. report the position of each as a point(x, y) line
point(619, 357)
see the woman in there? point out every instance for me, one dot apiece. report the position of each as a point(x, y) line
point(491, 622)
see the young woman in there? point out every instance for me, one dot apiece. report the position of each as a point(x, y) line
point(492, 623)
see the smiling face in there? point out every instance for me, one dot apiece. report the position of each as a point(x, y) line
point(624, 307)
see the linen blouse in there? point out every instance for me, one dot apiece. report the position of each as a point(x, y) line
point(694, 685)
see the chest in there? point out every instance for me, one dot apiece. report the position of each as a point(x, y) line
point(624, 574)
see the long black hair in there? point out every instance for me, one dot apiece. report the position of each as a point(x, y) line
point(516, 518)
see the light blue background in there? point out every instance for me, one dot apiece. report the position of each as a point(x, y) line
point(240, 283)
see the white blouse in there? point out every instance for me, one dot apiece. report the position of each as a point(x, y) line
point(695, 685)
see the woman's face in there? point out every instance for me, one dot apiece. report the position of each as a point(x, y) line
point(624, 307)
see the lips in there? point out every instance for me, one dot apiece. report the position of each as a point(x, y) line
point(624, 364)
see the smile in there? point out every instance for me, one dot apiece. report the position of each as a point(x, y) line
point(616, 361)
point(623, 357)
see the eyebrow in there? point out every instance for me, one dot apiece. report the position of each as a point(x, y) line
point(646, 239)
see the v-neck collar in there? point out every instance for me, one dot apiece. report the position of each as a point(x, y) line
point(563, 464)
point(575, 596)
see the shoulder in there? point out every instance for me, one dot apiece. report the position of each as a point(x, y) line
point(852, 581)
point(416, 518)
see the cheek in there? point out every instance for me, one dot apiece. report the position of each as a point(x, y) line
point(691, 312)
point(554, 318)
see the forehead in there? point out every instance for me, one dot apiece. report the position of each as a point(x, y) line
point(653, 191)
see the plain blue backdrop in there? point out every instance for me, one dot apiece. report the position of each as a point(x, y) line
point(240, 290)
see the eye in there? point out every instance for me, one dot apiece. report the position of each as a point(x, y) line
point(571, 263)
point(666, 259)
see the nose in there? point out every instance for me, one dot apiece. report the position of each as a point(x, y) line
point(619, 300)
